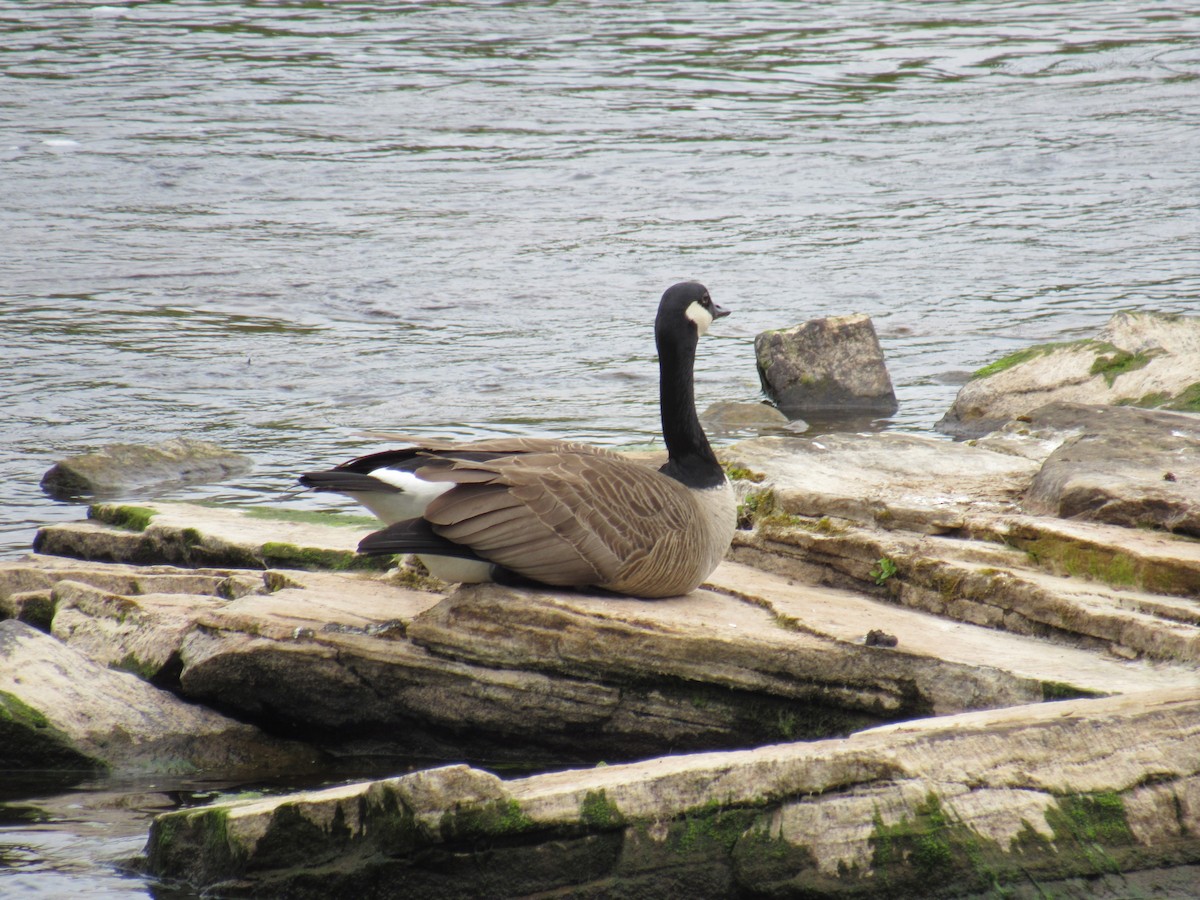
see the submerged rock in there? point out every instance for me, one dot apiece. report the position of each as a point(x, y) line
point(731, 417)
point(119, 469)
point(825, 367)
point(1138, 359)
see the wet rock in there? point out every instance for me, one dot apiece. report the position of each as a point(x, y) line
point(899, 481)
point(824, 366)
point(1139, 359)
point(355, 661)
point(27, 585)
point(60, 710)
point(185, 534)
point(1126, 466)
point(123, 468)
point(731, 417)
point(953, 805)
point(940, 527)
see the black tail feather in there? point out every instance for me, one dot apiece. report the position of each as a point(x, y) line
point(413, 536)
point(346, 482)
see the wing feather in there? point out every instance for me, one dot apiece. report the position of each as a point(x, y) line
point(557, 517)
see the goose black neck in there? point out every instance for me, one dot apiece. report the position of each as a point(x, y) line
point(690, 458)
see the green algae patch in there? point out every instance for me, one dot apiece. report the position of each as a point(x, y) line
point(1022, 356)
point(496, 819)
point(1080, 559)
point(741, 473)
point(28, 741)
point(130, 518)
point(290, 556)
point(1091, 837)
point(1118, 362)
point(599, 813)
point(14, 709)
point(934, 849)
point(142, 669)
point(1187, 400)
point(712, 829)
point(1059, 690)
point(310, 517)
point(195, 846)
point(779, 868)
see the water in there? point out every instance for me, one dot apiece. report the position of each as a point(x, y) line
point(277, 224)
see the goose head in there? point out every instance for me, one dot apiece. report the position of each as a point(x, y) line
point(684, 313)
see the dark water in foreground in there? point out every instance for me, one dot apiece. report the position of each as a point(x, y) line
point(276, 224)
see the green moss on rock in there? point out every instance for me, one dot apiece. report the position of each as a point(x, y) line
point(289, 556)
point(30, 742)
point(1118, 362)
point(741, 473)
point(1081, 559)
point(142, 669)
point(499, 818)
point(14, 709)
point(932, 850)
point(131, 518)
point(1187, 400)
point(310, 517)
point(599, 813)
point(710, 830)
point(1019, 357)
point(1059, 690)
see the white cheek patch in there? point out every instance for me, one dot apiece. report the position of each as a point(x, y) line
point(701, 316)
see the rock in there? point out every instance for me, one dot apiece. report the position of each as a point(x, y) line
point(900, 481)
point(1127, 466)
point(27, 585)
point(730, 417)
point(1091, 586)
point(190, 535)
point(948, 806)
point(1139, 359)
point(357, 663)
point(880, 578)
point(825, 366)
point(123, 468)
point(60, 710)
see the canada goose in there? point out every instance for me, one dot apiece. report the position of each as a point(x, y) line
point(557, 512)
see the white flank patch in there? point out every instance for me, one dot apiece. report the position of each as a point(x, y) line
point(701, 316)
point(461, 571)
point(410, 503)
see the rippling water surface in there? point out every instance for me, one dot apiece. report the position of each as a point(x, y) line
point(276, 224)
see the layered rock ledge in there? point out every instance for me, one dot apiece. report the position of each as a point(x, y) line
point(899, 609)
point(1028, 796)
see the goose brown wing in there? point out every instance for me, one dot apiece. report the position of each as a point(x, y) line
point(559, 518)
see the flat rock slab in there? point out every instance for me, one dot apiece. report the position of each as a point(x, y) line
point(188, 534)
point(358, 660)
point(61, 710)
point(899, 481)
point(118, 469)
point(849, 616)
point(1139, 359)
point(948, 806)
point(1048, 579)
